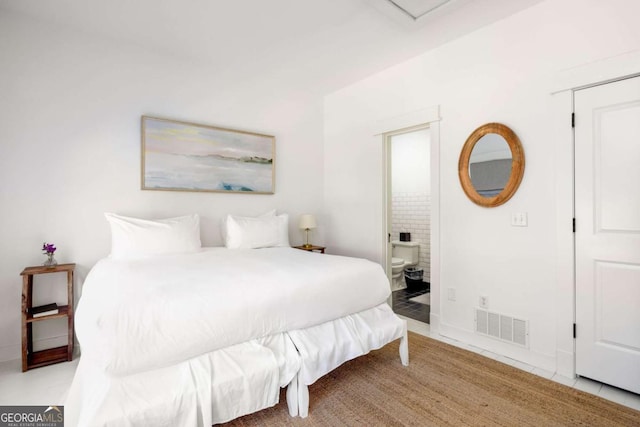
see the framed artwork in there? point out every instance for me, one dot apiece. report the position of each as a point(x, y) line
point(184, 156)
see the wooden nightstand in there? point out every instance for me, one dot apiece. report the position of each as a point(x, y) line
point(312, 248)
point(31, 359)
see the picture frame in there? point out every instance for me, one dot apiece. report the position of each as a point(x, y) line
point(184, 156)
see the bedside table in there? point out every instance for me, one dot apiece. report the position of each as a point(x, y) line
point(33, 359)
point(312, 248)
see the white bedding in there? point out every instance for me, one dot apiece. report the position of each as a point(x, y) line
point(212, 388)
point(224, 384)
point(350, 337)
point(149, 313)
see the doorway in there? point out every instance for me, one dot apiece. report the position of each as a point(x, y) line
point(607, 233)
point(408, 225)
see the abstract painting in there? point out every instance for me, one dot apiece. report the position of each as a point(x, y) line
point(191, 157)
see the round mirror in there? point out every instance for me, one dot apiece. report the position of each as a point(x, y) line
point(491, 165)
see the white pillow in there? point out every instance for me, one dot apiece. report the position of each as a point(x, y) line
point(135, 238)
point(223, 223)
point(260, 232)
point(283, 230)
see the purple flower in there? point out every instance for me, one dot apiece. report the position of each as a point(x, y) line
point(48, 248)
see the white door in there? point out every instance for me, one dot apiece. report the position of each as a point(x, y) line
point(607, 203)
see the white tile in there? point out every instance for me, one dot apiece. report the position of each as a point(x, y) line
point(10, 365)
point(490, 354)
point(475, 349)
point(505, 360)
point(633, 401)
point(588, 385)
point(460, 344)
point(543, 373)
point(614, 394)
point(52, 395)
point(417, 327)
point(18, 386)
point(445, 339)
point(564, 380)
point(515, 363)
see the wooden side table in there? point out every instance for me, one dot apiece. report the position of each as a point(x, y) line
point(31, 359)
point(312, 248)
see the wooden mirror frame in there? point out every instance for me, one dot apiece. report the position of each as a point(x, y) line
point(517, 165)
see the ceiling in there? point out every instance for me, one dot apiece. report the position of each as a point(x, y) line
point(416, 9)
point(323, 44)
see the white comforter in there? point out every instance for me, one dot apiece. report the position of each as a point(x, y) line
point(149, 313)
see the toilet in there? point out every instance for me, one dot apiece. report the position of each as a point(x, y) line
point(403, 255)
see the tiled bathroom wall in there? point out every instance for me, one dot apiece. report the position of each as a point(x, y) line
point(411, 212)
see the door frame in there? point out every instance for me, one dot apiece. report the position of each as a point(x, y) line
point(593, 73)
point(425, 118)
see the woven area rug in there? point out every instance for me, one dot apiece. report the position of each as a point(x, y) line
point(442, 386)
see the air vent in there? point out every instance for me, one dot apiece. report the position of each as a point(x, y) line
point(502, 327)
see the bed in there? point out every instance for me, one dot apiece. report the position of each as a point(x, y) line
point(203, 337)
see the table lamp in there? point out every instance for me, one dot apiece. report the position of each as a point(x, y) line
point(307, 222)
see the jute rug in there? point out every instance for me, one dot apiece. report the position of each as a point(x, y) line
point(442, 386)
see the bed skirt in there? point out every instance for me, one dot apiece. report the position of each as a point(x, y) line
point(228, 383)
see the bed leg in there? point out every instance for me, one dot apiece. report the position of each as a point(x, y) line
point(303, 400)
point(404, 346)
point(292, 397)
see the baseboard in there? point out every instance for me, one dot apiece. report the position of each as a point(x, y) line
point(524, 355)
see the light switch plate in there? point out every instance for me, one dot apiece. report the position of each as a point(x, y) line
point(519, 219)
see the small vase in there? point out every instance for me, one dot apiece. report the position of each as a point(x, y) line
point(51, 261)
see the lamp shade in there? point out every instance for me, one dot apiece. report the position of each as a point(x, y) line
point(307, 221)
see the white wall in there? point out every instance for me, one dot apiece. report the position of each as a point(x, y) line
point(410, 158)
point(70, 148)
point(501, 73)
